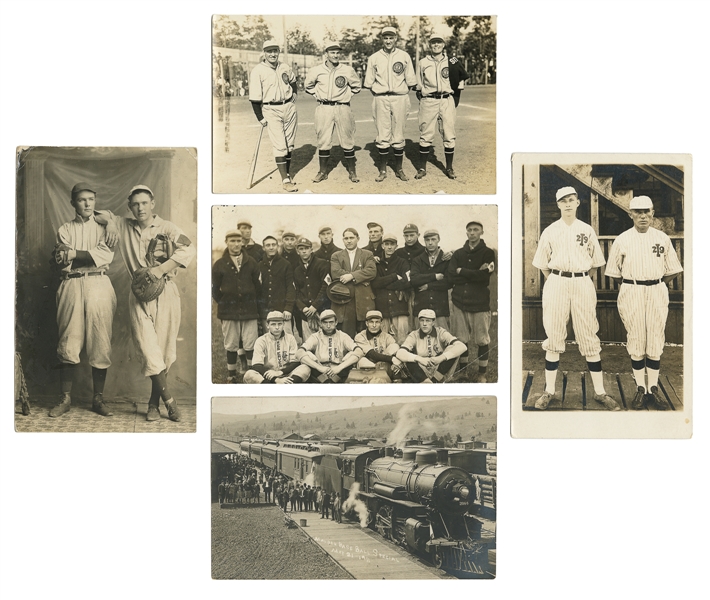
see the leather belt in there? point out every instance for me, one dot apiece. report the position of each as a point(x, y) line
point(568, 274)
point(279, 103)
point(642, 282)
point(438, 95)
point(332, 102)
point(77, 274)
point(389, 94)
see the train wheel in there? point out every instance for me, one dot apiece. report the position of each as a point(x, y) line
point(437, 558)
point(383, 523)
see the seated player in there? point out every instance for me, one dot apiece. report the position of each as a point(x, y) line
point(377, 346)
point(330, 353)
point(430, 351)
point(274, 358)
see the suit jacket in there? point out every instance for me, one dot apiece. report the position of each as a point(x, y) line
point(364, 271)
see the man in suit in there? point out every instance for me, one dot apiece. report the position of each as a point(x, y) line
point(355, 268)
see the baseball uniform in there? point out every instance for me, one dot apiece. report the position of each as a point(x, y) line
point(329, 350)
point(277, 354)
point(382, 344)
point(392, 289)
point(457, 74)
point(436, 343)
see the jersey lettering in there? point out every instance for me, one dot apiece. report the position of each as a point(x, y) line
point(582, 239)
point(658, 250)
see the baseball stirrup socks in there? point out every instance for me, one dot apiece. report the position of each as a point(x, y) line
point(449, 154)
point(283, 168)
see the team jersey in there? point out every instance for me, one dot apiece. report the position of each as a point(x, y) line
point(429, 345)
point(275, 353)
point(433, 76)
point(335, 84)
point(329, 348)
point(382, 343)
point(391, 72)
point(642, 256)
point(271, 84)
point(89, 236)
point(573, 248)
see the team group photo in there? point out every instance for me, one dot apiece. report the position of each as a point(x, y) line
point(604, 283)
point(370, 294)
point(381, 104)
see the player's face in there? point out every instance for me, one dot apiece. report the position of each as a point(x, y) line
point(437, 47)
point(642, 219)
point(374, 325)
point(410, 238)
point(141, 205)
point(270, 248)
point(568, 205)
point(388, 41)
point(431, 242)
point(305, 253)
point(426, 324)
point(474, 233)
point(245, 230)
point(275, 327)
point(234, 245)
point(328, 325)
point(350, 240)
point(334, 56)
point(84, 203)
point(272, 56)
point(326, 236)
point(289, 242)
point(389, 248)
point(375, 234)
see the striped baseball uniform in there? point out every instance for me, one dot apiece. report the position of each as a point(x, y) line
point(333, 88)
point(571, 250)
point(329, 349)
point(86, 301)
point(434, 344)
point(272, 87)
point(643, 307)
point(275, 354)
point(437, 103)
point(390, 76)
point(382, 343)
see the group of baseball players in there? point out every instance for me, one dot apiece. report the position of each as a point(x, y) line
point(643, 259)
point(86, 302)
point(390, 76)
point(381, 312)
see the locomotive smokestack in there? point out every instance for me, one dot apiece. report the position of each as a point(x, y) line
point(389, 451)
point(442, 456)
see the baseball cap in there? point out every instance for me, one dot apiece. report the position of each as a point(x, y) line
point(373, 314)
point(270, 44)
point(324, 228)
point(304, 242)
point(641, 203)
point(474, 223)
point(327, 314)
point(388, 30)
point(233, 233)
point(246, 222)
point(565, 191)
point(434, 37)
point(83, 187)
point(330, 45)
point(373, 224)
point(275, 315)
point(426, 313)
point(410, 228)
point(430, 233)
point(140, 188)
point(288, 234)
point(388, 237)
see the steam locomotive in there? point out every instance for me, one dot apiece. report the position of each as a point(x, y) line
point(419, 500)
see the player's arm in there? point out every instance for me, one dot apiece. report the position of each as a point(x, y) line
point(354, 81)
point(217, 277)
point(409, 76)
point(416, 276)
point(309, 85)
point(615, 261)
point(368, 271)
point(369, 74)
point(336, 269)
point(258, 362)
point(419, 85)
point(111, 223)
point(256, 96)
point(672, 265)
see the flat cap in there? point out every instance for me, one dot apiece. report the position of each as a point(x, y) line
point(373, 314)
point(246, 222)
point(83, 187)
point(272, 43)
point(410, 228)
point(373, 224)
point(641, 203)
point(431, 233)
point(474, 223)
point(288, 234)
point(275, 315)
point(233, 233)
point(140, 188)
point(389, 237)
point(304, 242)
point(426, 313)
point(324, 228)
point(564, 191)
point(327, 314)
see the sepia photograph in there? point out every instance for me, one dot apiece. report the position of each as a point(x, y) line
point(354, 488)
point(105, 325)
point(354, 104)
point(603, 282)
point(355, 296)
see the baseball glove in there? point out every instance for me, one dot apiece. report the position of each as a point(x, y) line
point(61, 254)
point(145, 286)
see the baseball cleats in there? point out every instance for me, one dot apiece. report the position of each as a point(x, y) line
point(381, 177)
point(450, 174)
point(173, 411)
point(421, 174)
point(320, 176)
point(153, 413)
point(232, 379)
point(99, 406)
point(607, 401)
point(289, 186)
point(481, 378)
point(63, 407)
point(353, 177)
point(639, 401)
point(401, 175)
point(544, 400)
point(658, 399)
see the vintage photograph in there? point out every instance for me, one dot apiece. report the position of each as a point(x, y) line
point(354, 104)
point(360, 294)
point(105, 325)
point(354, 488)
point(602, 283)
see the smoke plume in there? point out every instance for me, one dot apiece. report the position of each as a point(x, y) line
point(352, 502)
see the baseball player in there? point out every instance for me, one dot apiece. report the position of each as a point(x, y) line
point(567, 251)
point(333, 84)
point(155, 324)
point(376, 345)
point(470, 271)
point(275, 355)
point(436, 105)
point(277, 290)
point(329, 353)
point(272, 93)
point(374, 232)
point(389, 77)
point(644, 259)
point(236, 286)
point(311, 279)
point(411, 249)
point(256, 251)
point(457, 76)
point(430, 351)
point(86, 302)
point(288, 248)
point(327, 246)
point(392, 289)
point(430, 279)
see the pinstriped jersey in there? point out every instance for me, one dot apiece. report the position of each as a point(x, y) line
point(391, 72)
point(642, 256)
point(433, 75)
point(383, 343)
point(430, 345)
point(329, 348)
point(565, 247)
point(275, 353)
point(269, 84)
point(336, 84)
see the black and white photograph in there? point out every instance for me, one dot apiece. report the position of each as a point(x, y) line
point(354, 488)
point(354, 104)
point(363, 294)
point(105, 289)
point(605, 278)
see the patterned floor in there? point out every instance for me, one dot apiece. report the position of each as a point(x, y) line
point(128, 416)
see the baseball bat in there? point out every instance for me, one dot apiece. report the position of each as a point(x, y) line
point(253, 160)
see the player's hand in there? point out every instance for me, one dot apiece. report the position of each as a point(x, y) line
point(347, 278)
point(491, 267)
point(423, 288)
point(422, 360)
point(283, 380)
point(111, 235)
point(157, 272)
point(419, 95)
point(399, 278)
point(287, 315)
point(439, 276)
point(458, 271)
point(461, 84)
point(263, 122)
point(309, 311)
point(447, 256)
point(377, 259)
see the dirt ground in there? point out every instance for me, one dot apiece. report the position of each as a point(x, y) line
point(235, 133)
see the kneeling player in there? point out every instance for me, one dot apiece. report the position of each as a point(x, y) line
point(377, 346)
point(329, 353)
